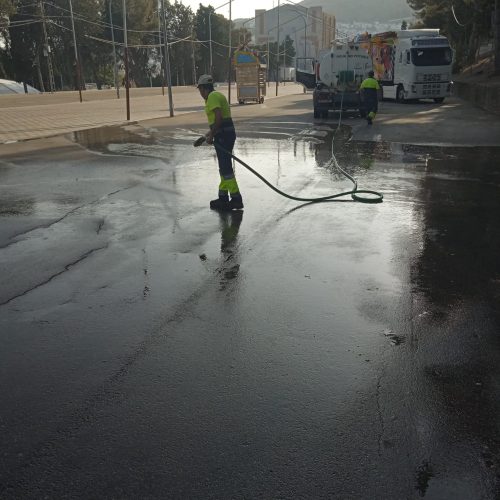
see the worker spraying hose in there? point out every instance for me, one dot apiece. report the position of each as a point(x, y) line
point(223, 135)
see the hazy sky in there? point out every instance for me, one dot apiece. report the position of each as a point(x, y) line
point(239, 8)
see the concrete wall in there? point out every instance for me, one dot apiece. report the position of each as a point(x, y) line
point(483, 96)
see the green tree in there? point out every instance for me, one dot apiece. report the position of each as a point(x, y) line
point(467, 23)
point(220, 38)
point(94, 54)
point(28, 60)
point(142, 31)
point(180, 27)
point(24, 45)
point(201, 23)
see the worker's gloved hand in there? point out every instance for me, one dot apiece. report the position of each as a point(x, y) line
point(199, 141)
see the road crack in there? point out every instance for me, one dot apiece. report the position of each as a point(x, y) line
point(67, 214)
point(67, 267)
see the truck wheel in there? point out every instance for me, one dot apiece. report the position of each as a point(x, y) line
point(362, 113)
point(316, 113)
point(241, 101)
point(262, 100)
point(438, 100)
point(324, 115)
point(400, 94)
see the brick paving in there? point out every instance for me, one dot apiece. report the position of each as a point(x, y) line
point(25, 117)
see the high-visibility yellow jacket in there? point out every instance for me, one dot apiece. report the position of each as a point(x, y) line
point(370, 83)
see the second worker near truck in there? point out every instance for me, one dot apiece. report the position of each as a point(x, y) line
point(369, 88)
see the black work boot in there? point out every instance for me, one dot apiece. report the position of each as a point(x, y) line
point(236, 202)
point(221, 203)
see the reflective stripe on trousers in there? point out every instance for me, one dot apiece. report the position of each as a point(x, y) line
point(226, 139)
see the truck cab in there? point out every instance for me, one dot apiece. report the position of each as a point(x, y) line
point(412, 64)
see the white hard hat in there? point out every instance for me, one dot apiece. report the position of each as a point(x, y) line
point(205, 80)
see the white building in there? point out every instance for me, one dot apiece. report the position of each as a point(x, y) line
point(311, 29)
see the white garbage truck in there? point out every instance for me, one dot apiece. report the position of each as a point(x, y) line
point(339, 73)
point(411, 64)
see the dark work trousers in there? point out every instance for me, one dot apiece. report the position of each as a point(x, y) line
point(225, 139)
point(370, 100)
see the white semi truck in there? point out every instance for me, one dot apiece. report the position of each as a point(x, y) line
point(411, 64)
point(339, 73)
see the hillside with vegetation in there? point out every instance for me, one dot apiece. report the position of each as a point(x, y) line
point(468, 24)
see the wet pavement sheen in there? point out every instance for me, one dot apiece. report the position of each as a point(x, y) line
point(154, 348)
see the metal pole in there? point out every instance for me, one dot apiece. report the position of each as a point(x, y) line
point(161, 56)
point(229, 72)
point(278, 51)
point(268, 60)
point(115, 70)
point(39, 73)
point(76, 52)
point(47, 49)
point(167, 60)
point(125, 41)
point(210, 37)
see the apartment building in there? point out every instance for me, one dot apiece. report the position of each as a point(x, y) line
point(311, 29)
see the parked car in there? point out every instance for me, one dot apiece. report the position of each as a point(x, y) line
point(11, 87)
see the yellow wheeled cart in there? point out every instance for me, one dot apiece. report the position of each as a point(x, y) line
point(250, 77)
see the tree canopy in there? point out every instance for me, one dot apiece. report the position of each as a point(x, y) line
point(25, 54)
point(467, 23)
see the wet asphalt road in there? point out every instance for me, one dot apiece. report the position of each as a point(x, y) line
point(152, 348)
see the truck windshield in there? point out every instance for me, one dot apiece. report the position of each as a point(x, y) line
point(435, 56)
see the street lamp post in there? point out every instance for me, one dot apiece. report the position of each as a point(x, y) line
point(125, 56)
point(168, 76)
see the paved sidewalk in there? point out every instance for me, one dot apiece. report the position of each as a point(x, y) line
point(34, 116)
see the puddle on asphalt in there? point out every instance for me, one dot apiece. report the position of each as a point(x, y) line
point(99, 139)
point(41, 208)
point(356, 157)
point(451, 194)
point(438, 227)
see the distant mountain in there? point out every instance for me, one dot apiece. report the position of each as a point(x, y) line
point(348, 11)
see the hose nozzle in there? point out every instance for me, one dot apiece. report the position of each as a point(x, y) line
point(199, 141)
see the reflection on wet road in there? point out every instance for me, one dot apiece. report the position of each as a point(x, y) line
point(154, 348)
